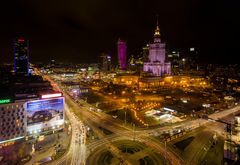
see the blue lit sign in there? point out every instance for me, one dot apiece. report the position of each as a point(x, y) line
point(56, 104)
point(46, 110)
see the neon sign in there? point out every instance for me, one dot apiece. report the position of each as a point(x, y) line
point(4, 101)
point(51, 95)
point(21, 40)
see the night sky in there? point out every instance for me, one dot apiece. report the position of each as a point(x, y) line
point(80, 30)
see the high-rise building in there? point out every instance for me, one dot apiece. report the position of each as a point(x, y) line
point(174, 58)
point(122, 54)
point(21, 56)
point(157, 64)
point(106, 62)
point(145, 52)
point(193, 58)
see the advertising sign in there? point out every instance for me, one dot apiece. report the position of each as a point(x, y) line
point(44, 113)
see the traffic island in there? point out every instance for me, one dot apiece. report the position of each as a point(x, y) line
point(125, 151)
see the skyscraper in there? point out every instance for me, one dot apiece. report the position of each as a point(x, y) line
point(106, 62)
point(157, 64)
point(122, 54)
point(21, 57)
point(145, 52)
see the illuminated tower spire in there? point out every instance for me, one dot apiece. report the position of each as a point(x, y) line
point(157, 33)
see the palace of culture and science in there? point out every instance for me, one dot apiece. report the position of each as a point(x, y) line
point(157, 64)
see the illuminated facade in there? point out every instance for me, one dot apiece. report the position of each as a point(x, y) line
point(28, 117)
point(13, 121)
point(122, 54)
point(150, 83)
point(21, 57)
point(45, 114)
point(129, 80)
point(157, 64)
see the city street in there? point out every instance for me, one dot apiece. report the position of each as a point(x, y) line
point(119, 83)
point(122, 131)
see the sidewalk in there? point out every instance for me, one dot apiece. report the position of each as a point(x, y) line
point(48, 146)
point(13, 154)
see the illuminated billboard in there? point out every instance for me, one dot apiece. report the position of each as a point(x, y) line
point(44, 114)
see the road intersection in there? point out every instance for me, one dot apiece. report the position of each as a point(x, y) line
point(80, 149)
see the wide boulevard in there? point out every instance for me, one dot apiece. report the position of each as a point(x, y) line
point(81, 116)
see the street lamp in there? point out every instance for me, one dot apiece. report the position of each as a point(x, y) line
point(133, 132)
point(125, 118)
point(165, 147)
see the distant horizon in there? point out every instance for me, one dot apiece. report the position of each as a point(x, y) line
point(99, 62)
point(80, 31)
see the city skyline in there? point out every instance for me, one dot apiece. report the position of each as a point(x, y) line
point(119, 82)
point(81, 31)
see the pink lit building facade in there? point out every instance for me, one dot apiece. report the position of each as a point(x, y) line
point(122, 54)
point(157, 64)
